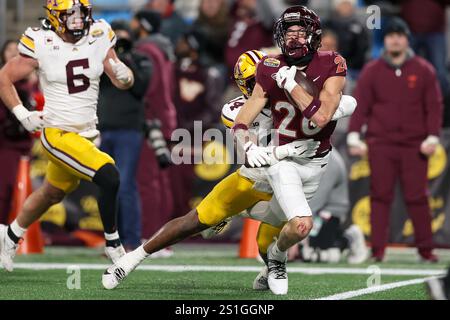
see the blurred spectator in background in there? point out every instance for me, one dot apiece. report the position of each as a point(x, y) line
point(172, 25)
point(353, 38)
point(153, 182)
point(247, 32)
point(331, 208)
point(15, 141)
point(270, 10)
point(213, 24)
point(329, 41)
point(198, 97)
point(400, 101)
point(427, 20)
point(121, 123)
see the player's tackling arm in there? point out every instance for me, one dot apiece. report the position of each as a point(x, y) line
point(320, 111)
point(121, 76)
point(248, 113)
point(252, 107)
point(16, 69)
point(256, 156)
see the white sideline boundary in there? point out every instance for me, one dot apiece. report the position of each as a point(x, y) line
point(218, 268)
point(384, 287)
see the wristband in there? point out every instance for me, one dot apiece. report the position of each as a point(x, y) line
point(20, 112)
point(313, 107)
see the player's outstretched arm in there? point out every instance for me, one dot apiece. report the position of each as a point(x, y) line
point(252, 107)
point(321, 110)
point(121, 76)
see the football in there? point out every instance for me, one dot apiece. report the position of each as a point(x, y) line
point(306, 83)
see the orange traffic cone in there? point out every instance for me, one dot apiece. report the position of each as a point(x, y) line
point(33, 241)
point(248, 247)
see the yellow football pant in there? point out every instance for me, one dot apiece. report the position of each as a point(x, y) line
point(71, 158)
point(229, 197)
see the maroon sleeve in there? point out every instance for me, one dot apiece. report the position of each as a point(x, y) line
point(433, 102)
point(338, 65)
point(364, 95)
point(266, 67)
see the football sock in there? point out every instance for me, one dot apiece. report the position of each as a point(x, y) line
point(108, 180)
point(15, 232)
point(112, 239)
point(277, 253)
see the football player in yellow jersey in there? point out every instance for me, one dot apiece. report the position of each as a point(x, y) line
point(70, 51)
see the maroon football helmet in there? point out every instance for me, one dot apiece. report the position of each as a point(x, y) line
point(309, 21)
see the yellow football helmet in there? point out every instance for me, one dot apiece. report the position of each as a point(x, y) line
point(245, 70)
point(72, 17)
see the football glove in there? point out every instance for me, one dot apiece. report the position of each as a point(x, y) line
point(257, 156)
point(121, 71)
point(31, 120)
point(285, 78)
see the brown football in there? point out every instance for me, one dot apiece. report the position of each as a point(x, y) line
point(306, 83)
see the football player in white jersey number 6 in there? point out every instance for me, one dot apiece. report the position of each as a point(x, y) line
point(70, 51)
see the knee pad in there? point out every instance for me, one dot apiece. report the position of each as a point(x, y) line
point(107, 177)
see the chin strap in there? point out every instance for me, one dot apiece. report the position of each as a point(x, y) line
point(301, 61)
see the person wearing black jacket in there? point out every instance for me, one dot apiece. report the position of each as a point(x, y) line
point(353, 38)
point(121, 123)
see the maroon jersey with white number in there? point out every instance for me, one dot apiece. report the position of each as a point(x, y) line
point(288, 119)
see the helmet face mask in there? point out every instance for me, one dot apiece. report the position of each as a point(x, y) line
point(71, 18)
point(308, 30)
point(245, 71)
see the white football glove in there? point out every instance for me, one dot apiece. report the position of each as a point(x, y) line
point(121, 71)
point(297, 149)
point(354, 140)
point(257, 156)
point(285, 78)
point(31, 120)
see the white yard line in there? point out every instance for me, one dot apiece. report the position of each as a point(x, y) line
point(384, 287)
point(218, 268)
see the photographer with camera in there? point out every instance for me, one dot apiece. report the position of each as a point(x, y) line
point(123, 128)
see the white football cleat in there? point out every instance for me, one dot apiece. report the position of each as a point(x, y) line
point(115, 253)
point(260, 282)
point(358, 249)
point(277, 278)
point(7, 249)
point(115, 274)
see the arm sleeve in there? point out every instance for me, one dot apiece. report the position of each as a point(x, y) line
point(27, 45)
point(433, 103)
point(364, 95)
